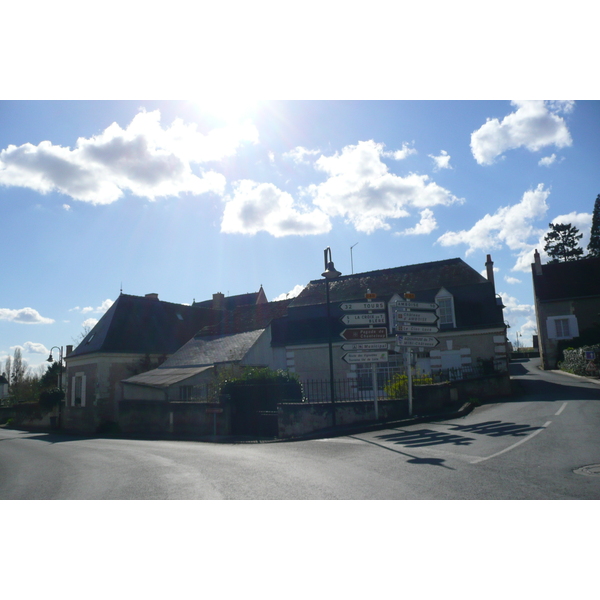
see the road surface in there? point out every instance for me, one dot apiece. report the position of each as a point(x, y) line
point(528, 446)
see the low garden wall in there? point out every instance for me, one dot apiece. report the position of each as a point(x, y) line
point(141, 417)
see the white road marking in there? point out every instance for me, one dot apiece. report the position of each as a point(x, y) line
point(526, 439)
point(560, 409)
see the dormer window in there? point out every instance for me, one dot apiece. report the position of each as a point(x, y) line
point(445, 301)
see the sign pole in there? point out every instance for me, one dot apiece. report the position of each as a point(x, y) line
point(410, 389)
point(374, 386)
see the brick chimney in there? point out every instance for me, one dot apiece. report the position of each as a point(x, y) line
point(152, 296)
point(489, 265)
point(218, 301)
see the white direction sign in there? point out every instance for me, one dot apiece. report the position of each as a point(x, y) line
point(416, 341)
point(416, 317)
point(364, 319)
point(365, 357)
point(402, 328)
point(417, 305)
point(363, 306)
point(365, 346)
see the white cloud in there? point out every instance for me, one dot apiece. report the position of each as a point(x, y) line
point(401, 154)
point(534, 125)
point(547, 160)
point(362, 190)
point(426, 225)
point(291, 294)
point(511, 280)
point(258, 207)
point(25, 315)
point(91, 323)
point(90, 309)
point(35, 348)
point(67, 207)
point(146, 159)
point(442, 161)
point(301, 155)
point(509, 225)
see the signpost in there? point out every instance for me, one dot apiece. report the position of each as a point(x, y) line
point(365, 357)
point(416, 317)
point(362, 306)
point(417, 341)
point(402, 328)
point(364, 319)
point(417, 305)
point(365, 346)
point(368, 333)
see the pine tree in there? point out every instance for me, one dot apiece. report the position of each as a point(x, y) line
point(594, 245)
point(562, 242)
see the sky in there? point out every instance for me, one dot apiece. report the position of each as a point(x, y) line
point(189, 198)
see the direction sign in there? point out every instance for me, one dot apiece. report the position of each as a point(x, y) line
point(402, 328)
point(363, 306)
point(416, 317)
point(368, 333)
point(417, 305)
point(417, 341)
point(365, 346)
point(364, 319)
point(365, 357)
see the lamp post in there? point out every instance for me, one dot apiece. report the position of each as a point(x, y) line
point(50, 359)
point(330, 273)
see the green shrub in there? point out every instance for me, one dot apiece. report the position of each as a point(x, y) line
point(397, 387)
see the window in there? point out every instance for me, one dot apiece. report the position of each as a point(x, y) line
point(445, 301)
point(563, 327)
point(78, 390)
point(185, 392)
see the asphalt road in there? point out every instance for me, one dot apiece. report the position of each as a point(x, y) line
point(524, 447)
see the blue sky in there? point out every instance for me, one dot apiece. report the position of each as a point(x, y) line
point(186, 199)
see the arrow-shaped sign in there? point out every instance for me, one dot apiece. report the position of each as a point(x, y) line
point(402, 328)
point(416, 317)
point(368, 333)
point(417, 341)
point(364, 319)
point(417, 305)
point(362, 306)
point(365, 346)
point(365, 357)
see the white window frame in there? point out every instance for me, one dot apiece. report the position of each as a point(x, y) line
point(444, 294)
point(562, 327)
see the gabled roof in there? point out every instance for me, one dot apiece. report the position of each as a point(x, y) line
point(387, 282)
point(571, 279)
point(142, 325)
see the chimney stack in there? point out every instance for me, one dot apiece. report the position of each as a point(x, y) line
point(152, 296)
point(537, 263)
point(218, 300)
point(489, 265)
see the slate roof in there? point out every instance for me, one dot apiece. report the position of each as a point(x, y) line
point(231, 302)
point(247, 318)
point(204, 350)
point(571, 279)
point(140, 325)
point(387, 282)
point(197, 355)
point(475, 303)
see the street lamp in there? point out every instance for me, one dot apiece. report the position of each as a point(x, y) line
point(50, 359)
point(330, 273)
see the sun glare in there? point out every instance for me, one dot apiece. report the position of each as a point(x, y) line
point(230, 110)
